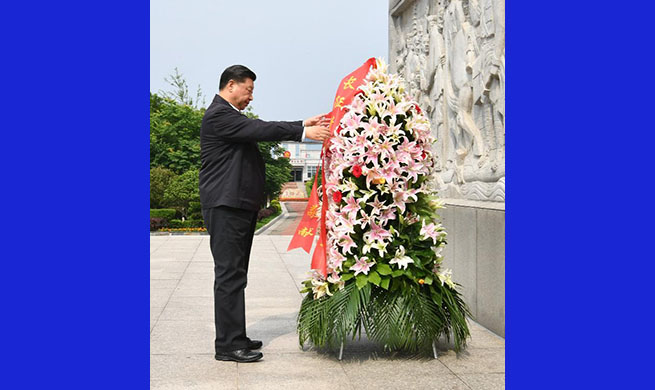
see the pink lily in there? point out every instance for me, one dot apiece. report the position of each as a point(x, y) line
point(429, 231)
point(357, 105)
point(387, 215)
point(377, 205)
point(347, 244)
point(362, 266)
point(352, 205)
point(377, 233)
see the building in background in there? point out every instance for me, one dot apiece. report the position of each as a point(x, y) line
point(305, 159)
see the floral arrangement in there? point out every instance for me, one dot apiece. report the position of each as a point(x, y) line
point(384, 238)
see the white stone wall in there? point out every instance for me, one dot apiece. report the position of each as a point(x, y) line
point(476, 254)
point(451, 54)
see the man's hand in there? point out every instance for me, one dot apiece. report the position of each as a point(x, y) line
point(317, 133)
point(318, 120)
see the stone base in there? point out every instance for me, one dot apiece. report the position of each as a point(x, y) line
point(476, 254)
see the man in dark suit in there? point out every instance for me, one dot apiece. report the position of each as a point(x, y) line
point(232, 192)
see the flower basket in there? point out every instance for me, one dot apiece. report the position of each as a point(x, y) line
point(384, 238)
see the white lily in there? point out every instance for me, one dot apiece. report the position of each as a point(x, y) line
point(335, 278)
point(445, 276)
point(400, 259)
point(437, 250)
point(381, 66)
point(381, 247)
point(367, 194)
point(349, 187)
point(320, 289)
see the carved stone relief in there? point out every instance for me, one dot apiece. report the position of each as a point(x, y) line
point(451, 54)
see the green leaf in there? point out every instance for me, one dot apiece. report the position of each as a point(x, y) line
point(346, 277)
point(428, 279)
point(361, 280)
point(397, 273)
point(374, 278)
point(383, 269)
point(436, 297)
point(385, 283)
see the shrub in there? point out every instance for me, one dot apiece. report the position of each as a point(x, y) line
point(195, 211)
point(278, 169)
point(157, 223)
point(310, 183)
point(276, 205)
point(160, 179)
point(263, 213)
point(308, 186)
point(182, 190)
point(191, 223)
point(194, 223)
point(175, 223)
point(167, 214)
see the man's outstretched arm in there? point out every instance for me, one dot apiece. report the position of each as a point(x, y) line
point(316, 128)
point(235, 127)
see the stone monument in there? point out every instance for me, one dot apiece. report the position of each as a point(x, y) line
point(451, 54)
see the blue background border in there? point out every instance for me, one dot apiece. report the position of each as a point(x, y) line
point(578, 156)
point(75, 275)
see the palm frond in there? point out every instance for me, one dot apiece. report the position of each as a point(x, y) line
point(408, 319)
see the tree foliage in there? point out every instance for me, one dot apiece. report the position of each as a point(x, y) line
point(180, 92)
point(278, 169)
point(174, 134)
point(182, 190)
point(160, 179)
point(309, 184)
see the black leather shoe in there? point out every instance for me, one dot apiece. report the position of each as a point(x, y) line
point(240, 355)
point(255, 344)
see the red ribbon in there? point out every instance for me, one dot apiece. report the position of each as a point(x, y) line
point(306, 229)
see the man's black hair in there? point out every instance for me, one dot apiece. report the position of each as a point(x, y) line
point(238, 73)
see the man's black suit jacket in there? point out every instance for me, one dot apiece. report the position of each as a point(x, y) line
point(232, 171)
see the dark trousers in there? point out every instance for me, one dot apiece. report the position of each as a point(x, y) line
point(231, 231)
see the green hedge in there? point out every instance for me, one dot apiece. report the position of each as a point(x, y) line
point(308, 187)
point(189, 223)
point(266, 219)
point(276, 204)
point(310, 183)
point(195, 211)
point(167, 214)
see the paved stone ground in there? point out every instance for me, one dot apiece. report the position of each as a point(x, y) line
point(182, 332)
point(287, 225)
